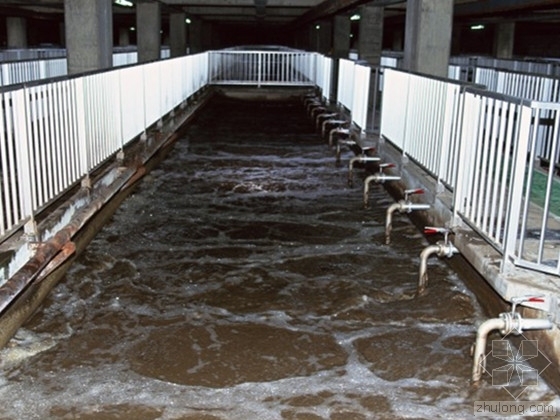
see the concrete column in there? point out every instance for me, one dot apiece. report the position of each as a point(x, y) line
point(17, 32)
point(341, 36)
point(148, 31)
point(177, 34)
point(370, 38)
point(195, 36)
point(124, 37)
point(503, 40)
point(427, 40)
point(398, 40)
point(89, 35)
point(325, 38)
point(62, 34)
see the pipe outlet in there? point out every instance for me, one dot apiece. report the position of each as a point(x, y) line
point(377, 178)
point(342, 142)
point(339, 131)
point(402, 206)
point(359, 159)
point(441, 249)
point(332, 123)
point(324, 116)
point(507, 323)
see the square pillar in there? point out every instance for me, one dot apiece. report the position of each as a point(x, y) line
point(88, 35)
point(341, 36)
point(504, 39)
point(177, 34)
point(148, 31)
point(370, 38)
point(17, 32)
point(427, 42)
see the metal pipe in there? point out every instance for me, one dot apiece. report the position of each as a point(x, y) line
point(479, 363)
point(317, 110)
point(508, 322)
point(337, 123)
point(337, 130)
point(359, 159)
point(324, 116)
point(338, 144)
point(378, 178)
point(389, 221)
point(403, 207)
point(423, 271)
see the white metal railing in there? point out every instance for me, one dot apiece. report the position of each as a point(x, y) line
point(522, 85)
point(53, 134)
point(547, 67)
point(24, 71)
point(353, 90)
point(491, 137)
point(272, 68)
point(345, 87)
point(484, 147)
point(323, 75)
point(533, 243)
point(14, 54)
point(419, 116)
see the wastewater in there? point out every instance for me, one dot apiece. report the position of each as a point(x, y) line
point(244, 279)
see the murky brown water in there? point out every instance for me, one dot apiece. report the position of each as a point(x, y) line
point(244, 280)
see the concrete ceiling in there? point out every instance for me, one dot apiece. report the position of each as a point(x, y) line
point(292, 13)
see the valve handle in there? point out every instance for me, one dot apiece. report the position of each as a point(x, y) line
point(517, 300)
point(413, 191)
point(385, 165)
point(430, 230)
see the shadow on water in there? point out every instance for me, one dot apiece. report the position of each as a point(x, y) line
point(244, 280)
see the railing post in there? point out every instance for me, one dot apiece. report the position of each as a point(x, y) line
point(259, 68)
point(515, 199)
point(25, 167)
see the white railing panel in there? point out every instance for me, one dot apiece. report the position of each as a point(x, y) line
point(345, 88)
point(275, 68)
point(394, 108)
point(534, 241)
point(491, 133)
point(52, 134)
point(360, 97)
point(419, 115)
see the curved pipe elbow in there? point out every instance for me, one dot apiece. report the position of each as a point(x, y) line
point(368, 181)
point(480, 346)
point(423, 271)
point(389, 221)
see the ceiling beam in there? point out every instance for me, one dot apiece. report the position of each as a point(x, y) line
point(487, 7)
point(332, 7)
